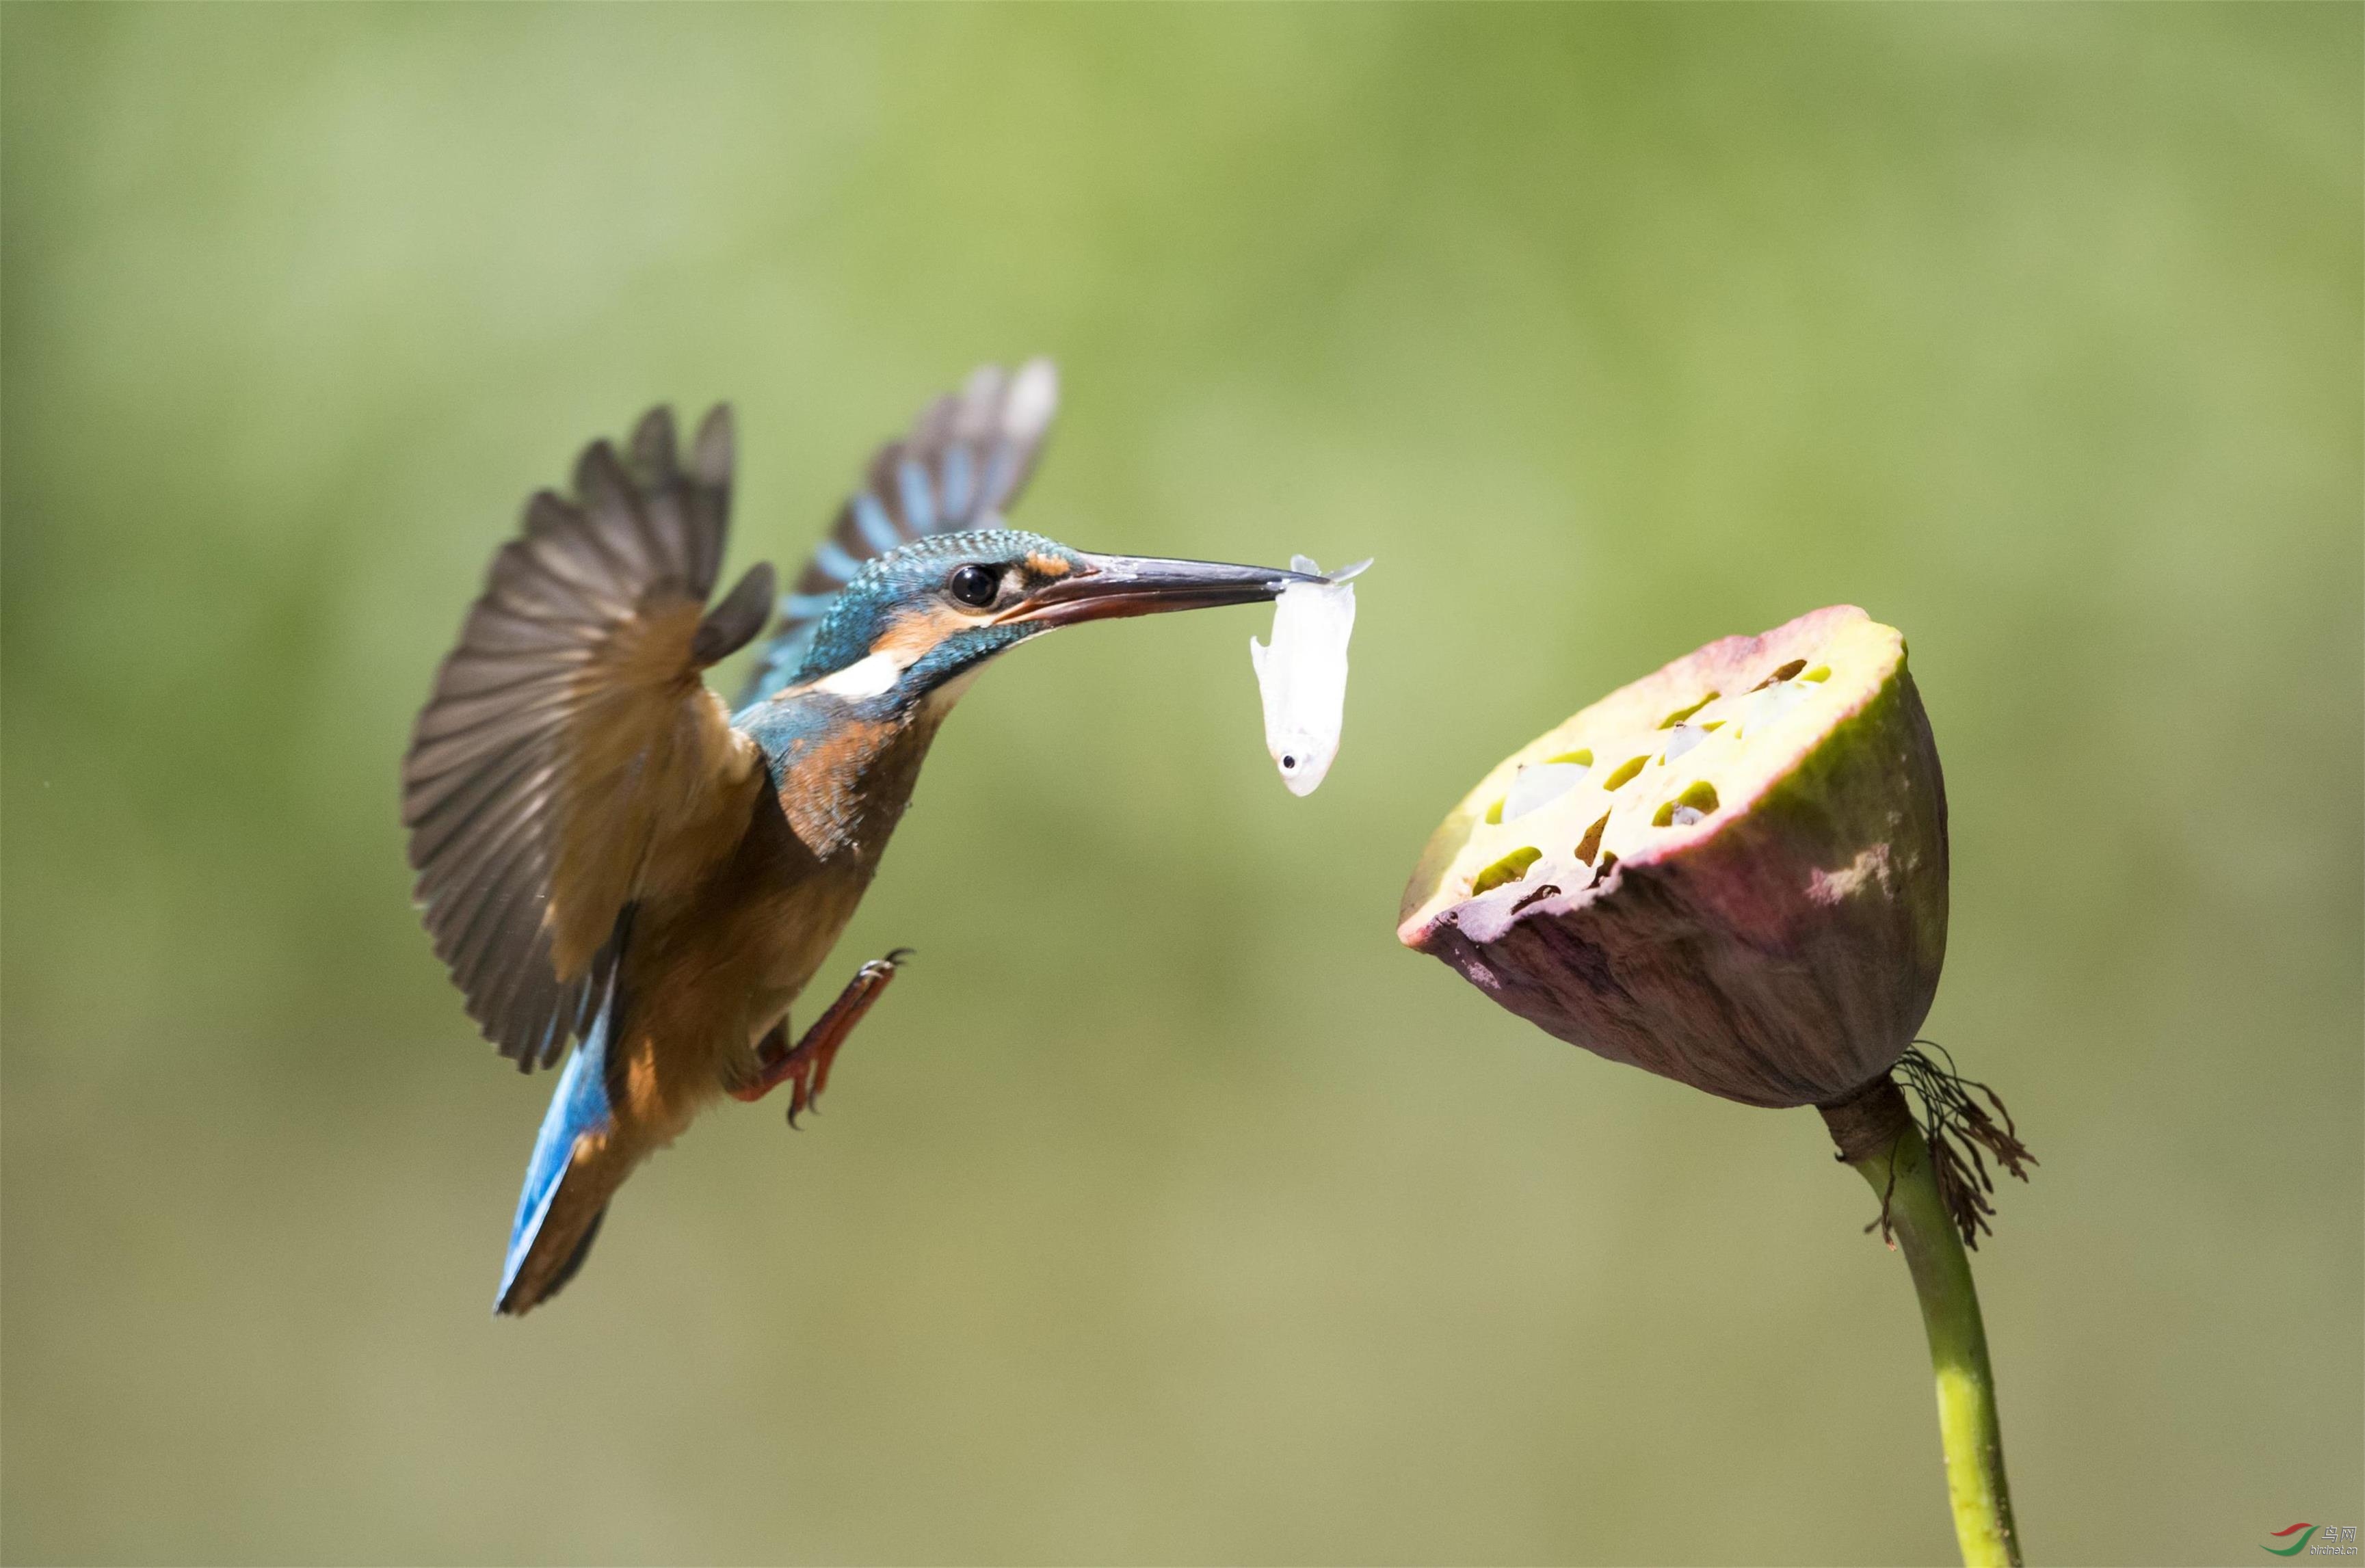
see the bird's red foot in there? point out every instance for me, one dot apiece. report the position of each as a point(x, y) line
point(806, 1068)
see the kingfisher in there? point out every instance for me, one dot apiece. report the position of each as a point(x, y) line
point(610, 858)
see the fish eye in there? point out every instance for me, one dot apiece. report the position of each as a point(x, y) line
point(973, 585)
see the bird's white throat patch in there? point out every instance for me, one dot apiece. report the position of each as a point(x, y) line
point(864, 678)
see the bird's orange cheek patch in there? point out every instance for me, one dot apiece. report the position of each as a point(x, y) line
point(915, 632)
point(1044, 565)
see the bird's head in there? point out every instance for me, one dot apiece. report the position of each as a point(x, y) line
point(930, 612)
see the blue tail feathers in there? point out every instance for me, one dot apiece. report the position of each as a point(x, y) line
point(579, 1105)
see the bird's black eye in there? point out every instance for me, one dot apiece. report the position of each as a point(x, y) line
point(973, 585)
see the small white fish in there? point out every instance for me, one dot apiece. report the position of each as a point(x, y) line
point(1302, 674)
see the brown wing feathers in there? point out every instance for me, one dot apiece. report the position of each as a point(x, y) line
point(570, 752)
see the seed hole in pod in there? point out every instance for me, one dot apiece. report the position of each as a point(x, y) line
point(1821, 672)
point(1626, 770)
point(1694, 802)
point(1495, 814)
point(1682, 739)
point(1582, 759)
point(1539, 784)
point(1591, 845)
point(1680, 714)
point(1509, 868)
point(1769, 704)
point(1608, 864)
point(1546, 891)
point(1713, 724)
point(1779, 676)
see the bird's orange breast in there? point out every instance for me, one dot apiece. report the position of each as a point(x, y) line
point(710, 970)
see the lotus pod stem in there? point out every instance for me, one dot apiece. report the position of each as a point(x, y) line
point(1875, 1134)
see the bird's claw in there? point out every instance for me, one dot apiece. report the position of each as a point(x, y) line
point(805, 1069)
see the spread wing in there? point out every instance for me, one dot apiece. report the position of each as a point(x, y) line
point(571, 759)
point(966, 457)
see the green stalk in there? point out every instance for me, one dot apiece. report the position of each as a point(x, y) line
point(1902, 1174)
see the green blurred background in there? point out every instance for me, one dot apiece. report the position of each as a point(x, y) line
point(1168, 1210)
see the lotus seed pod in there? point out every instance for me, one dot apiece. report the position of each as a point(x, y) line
point(1731, 872)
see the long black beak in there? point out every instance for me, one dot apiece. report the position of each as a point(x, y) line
point(1113, 586)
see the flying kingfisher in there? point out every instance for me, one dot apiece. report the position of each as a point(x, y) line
point(608, 856)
